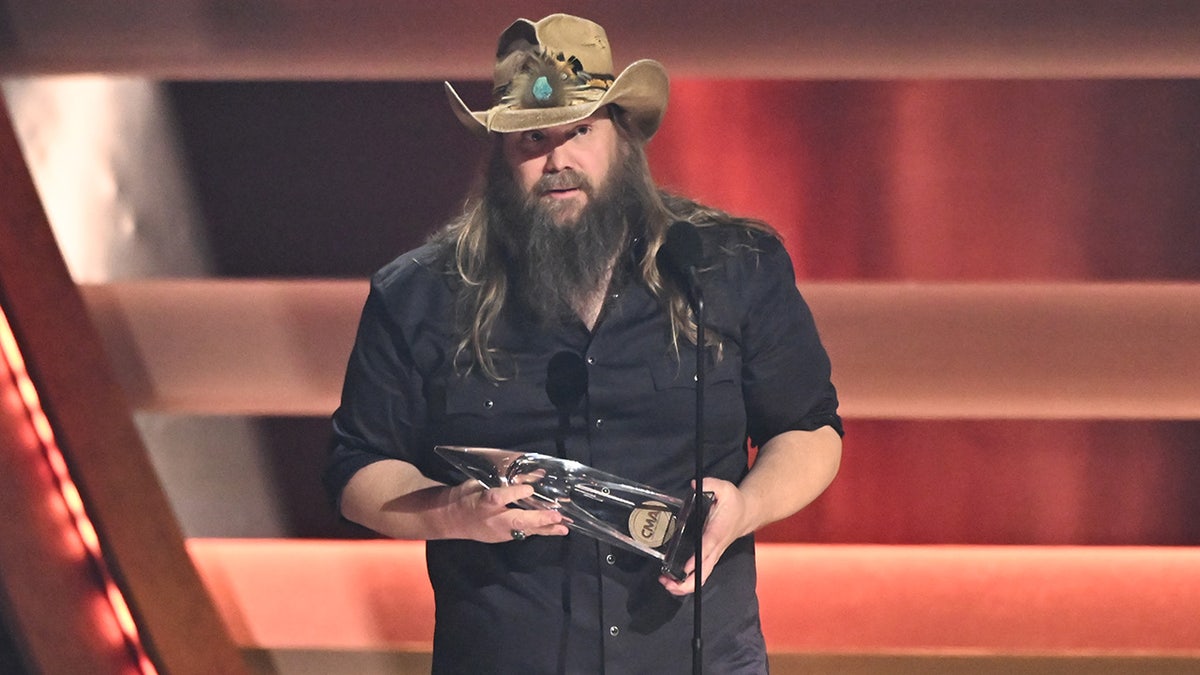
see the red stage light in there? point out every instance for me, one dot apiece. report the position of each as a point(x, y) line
point(80, 528)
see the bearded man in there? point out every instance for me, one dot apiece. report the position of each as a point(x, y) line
point(558, 253)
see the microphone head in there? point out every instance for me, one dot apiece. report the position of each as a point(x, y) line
point(566, 380)
point(681, 250)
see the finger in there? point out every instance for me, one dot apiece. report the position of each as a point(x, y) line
point(537, 523)
point(469, 486)
point(681, 586)
point(678, 588)
point(554, 530)
point(502, 496)
point(523, 519)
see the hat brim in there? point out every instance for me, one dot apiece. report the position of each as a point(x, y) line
point(641, 90)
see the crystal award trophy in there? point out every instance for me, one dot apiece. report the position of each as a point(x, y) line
point(597, 504)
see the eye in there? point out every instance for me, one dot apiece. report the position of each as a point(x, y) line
point(535, 136)
point(583, 130)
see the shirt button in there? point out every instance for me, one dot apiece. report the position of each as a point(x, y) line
point(591, 360)
point(599, 422)
point(610, 559)
point(489, 403)
point(614, 631)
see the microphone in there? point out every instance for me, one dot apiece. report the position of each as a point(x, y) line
point(566, 383)
point(681, 253)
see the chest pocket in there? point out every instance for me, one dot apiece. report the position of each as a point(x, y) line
point(724, 406)
point(514, 414)
point(669, 373)
point(475, 397)
point(521, 394)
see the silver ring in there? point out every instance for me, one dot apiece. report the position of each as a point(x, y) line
point(518, 535)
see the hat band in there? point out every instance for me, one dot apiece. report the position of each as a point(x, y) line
point(544, 79)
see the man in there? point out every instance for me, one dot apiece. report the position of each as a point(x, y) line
point(557, 253)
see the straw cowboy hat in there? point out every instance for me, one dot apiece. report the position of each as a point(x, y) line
point(559, 70)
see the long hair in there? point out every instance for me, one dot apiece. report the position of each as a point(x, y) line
point(478, 264)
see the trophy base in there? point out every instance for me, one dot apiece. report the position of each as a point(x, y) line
point(683, 545)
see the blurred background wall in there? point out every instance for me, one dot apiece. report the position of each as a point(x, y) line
point(904, 180)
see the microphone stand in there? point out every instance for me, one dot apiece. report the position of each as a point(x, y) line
point(681, 253)
point(698, 497)
point(566, 385)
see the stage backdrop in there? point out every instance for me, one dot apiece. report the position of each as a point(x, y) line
point(928, 181)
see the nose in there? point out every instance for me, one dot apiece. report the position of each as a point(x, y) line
point(558, 159)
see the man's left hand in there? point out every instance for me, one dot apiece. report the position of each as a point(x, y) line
point(726, 522)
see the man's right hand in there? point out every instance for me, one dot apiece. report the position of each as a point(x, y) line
point(485, 515)
point(394, 499)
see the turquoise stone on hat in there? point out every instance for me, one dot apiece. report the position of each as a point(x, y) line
point(542, 89)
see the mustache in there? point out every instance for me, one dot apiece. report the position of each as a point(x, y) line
point(566, 179)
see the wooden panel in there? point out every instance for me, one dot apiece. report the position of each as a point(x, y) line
point(997, 599)
point(454, 38)
point(323, 662)
point(375, 595)
point(91, 420)
point(229, 347)
point(1028, 351)
point(325, 594)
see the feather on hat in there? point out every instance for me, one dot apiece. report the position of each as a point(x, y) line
point(559, 70)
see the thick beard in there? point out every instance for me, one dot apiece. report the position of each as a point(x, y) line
point(556, 266)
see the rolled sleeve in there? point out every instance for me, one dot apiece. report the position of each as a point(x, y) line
point(381, 404)
point(786, 371)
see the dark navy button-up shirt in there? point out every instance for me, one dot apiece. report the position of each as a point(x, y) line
point(572, 604)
